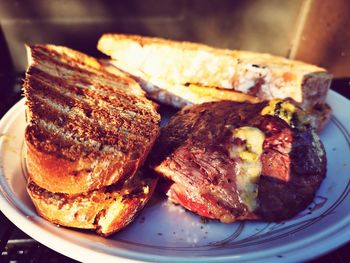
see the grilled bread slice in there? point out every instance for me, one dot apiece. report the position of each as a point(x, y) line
point(105, 210)
point(169, 69)
point(88, 126)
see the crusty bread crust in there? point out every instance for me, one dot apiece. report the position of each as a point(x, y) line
point(319, 116)
point(59, 175)
point(106, 210)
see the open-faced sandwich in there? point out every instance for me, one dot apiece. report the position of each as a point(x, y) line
point(250, 150)
point(244, 146)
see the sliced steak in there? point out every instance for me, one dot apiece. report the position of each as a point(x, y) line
point(233, 161)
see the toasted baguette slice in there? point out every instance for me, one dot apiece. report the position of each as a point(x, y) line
point(106, 210)
point(88, 126)
point(184, 73)
point(179, 63)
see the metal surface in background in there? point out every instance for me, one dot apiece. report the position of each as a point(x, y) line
point(265, 26)
point(308, 30)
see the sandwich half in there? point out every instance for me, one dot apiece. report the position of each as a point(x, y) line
point(89, 127)
point(185, 73)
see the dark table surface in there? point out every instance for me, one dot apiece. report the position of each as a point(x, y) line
point(29, 250)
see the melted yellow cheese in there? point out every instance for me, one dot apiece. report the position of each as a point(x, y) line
point(145, 189)
point(282, 109)
point(248, 169)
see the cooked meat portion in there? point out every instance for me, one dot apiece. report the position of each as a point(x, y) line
point(233, 161)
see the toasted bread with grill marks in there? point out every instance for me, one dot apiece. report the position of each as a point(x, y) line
point(88, 126)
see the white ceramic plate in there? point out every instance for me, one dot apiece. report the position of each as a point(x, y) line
point(166, 233)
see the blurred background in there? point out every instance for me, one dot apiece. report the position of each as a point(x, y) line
point(310, 30)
